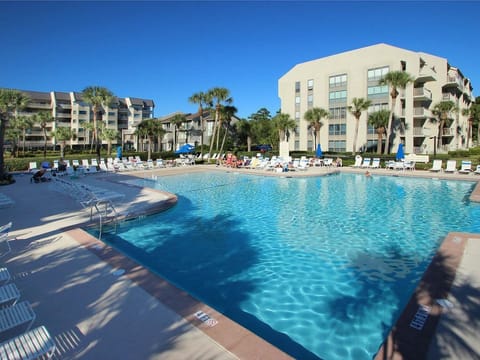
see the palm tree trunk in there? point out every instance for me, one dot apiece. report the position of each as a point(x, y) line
point(23, 141)
point(390, 122)
point(355, 136)
point(469, 131)
point(44, 143)
point(379, 142)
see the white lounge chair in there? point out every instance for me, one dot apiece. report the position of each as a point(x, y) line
point(451, 166)
point(4, 276)
point(477, 170)
point(4, 231)
point(9, 295)
point(32, 167)
point(13, 316)
point(409, 165)
point(366, 163)
point(390, 165)
point(375, 163)
point(30, 345)
point(437, 165)
point(466, 167)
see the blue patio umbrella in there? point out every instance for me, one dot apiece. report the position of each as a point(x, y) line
point(319, 152)
point(400, 152)
point(185, 149)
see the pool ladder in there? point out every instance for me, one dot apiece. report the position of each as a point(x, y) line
point(107, 214)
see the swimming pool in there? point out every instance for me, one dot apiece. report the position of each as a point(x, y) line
point(319, 267)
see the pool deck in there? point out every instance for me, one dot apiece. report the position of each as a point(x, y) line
point(69, 278)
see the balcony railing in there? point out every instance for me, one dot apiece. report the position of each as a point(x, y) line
point(448, 97)
point(454, 80)
point(422, 92)
point(421, 111)
point(39, 105)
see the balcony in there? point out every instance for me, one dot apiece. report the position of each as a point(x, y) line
point(421, 112)
point(39, 105)
point(422, 94)
point(454, 81)
point(426, 74)
point(449, 97)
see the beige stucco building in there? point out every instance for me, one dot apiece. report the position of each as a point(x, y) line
point(68, 109)
point(333, 81)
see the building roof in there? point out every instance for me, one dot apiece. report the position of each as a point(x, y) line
point(37, 95)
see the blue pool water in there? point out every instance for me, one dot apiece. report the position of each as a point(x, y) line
point(320, 267)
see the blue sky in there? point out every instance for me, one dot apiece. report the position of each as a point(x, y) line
point(166, 51)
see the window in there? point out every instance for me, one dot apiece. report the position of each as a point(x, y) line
point(297, 99)
point(337, 145)
point(338, 81)
point(297, 145)
point(82, 112)
point(377, 91)
point(111, 113)
point(310, 84)
point(377, 74)
point(338, 96)
point(337, 129)
point(297, 115)
point(310, 99)
point(310, 144)
point(297, 86)
point(377, 107)
point(371, 130)
point(338, 112)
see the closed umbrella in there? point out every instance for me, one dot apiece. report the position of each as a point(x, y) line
point(319, 152)
point(400, 152)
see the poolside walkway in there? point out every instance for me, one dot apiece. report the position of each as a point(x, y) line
point(70, 279)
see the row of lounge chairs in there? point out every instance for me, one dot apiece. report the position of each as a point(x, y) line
point(451, 167)
point(18, 340)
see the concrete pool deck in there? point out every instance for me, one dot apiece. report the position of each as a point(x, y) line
point(69, 277)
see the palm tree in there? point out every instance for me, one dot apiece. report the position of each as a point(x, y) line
point(177, 122)
point(473, 113)
point(151, 128)
point(396, 80)
point(88, 126)
point(24, 123)
point(159, 132)
point(11, 101)
point(245, 131)
point(98, 97)
point(379, 120)
point(202, 99)
point(62, 134)
point(109, 135)
point(314, 116)
point(13, 133)
point(283, 123)
point(227, 112)
point(43, 118)
point(443, 110)
point(218, 96)
point(358, 106)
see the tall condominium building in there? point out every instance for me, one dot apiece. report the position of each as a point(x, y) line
point(68, 109)
point(332, 82)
